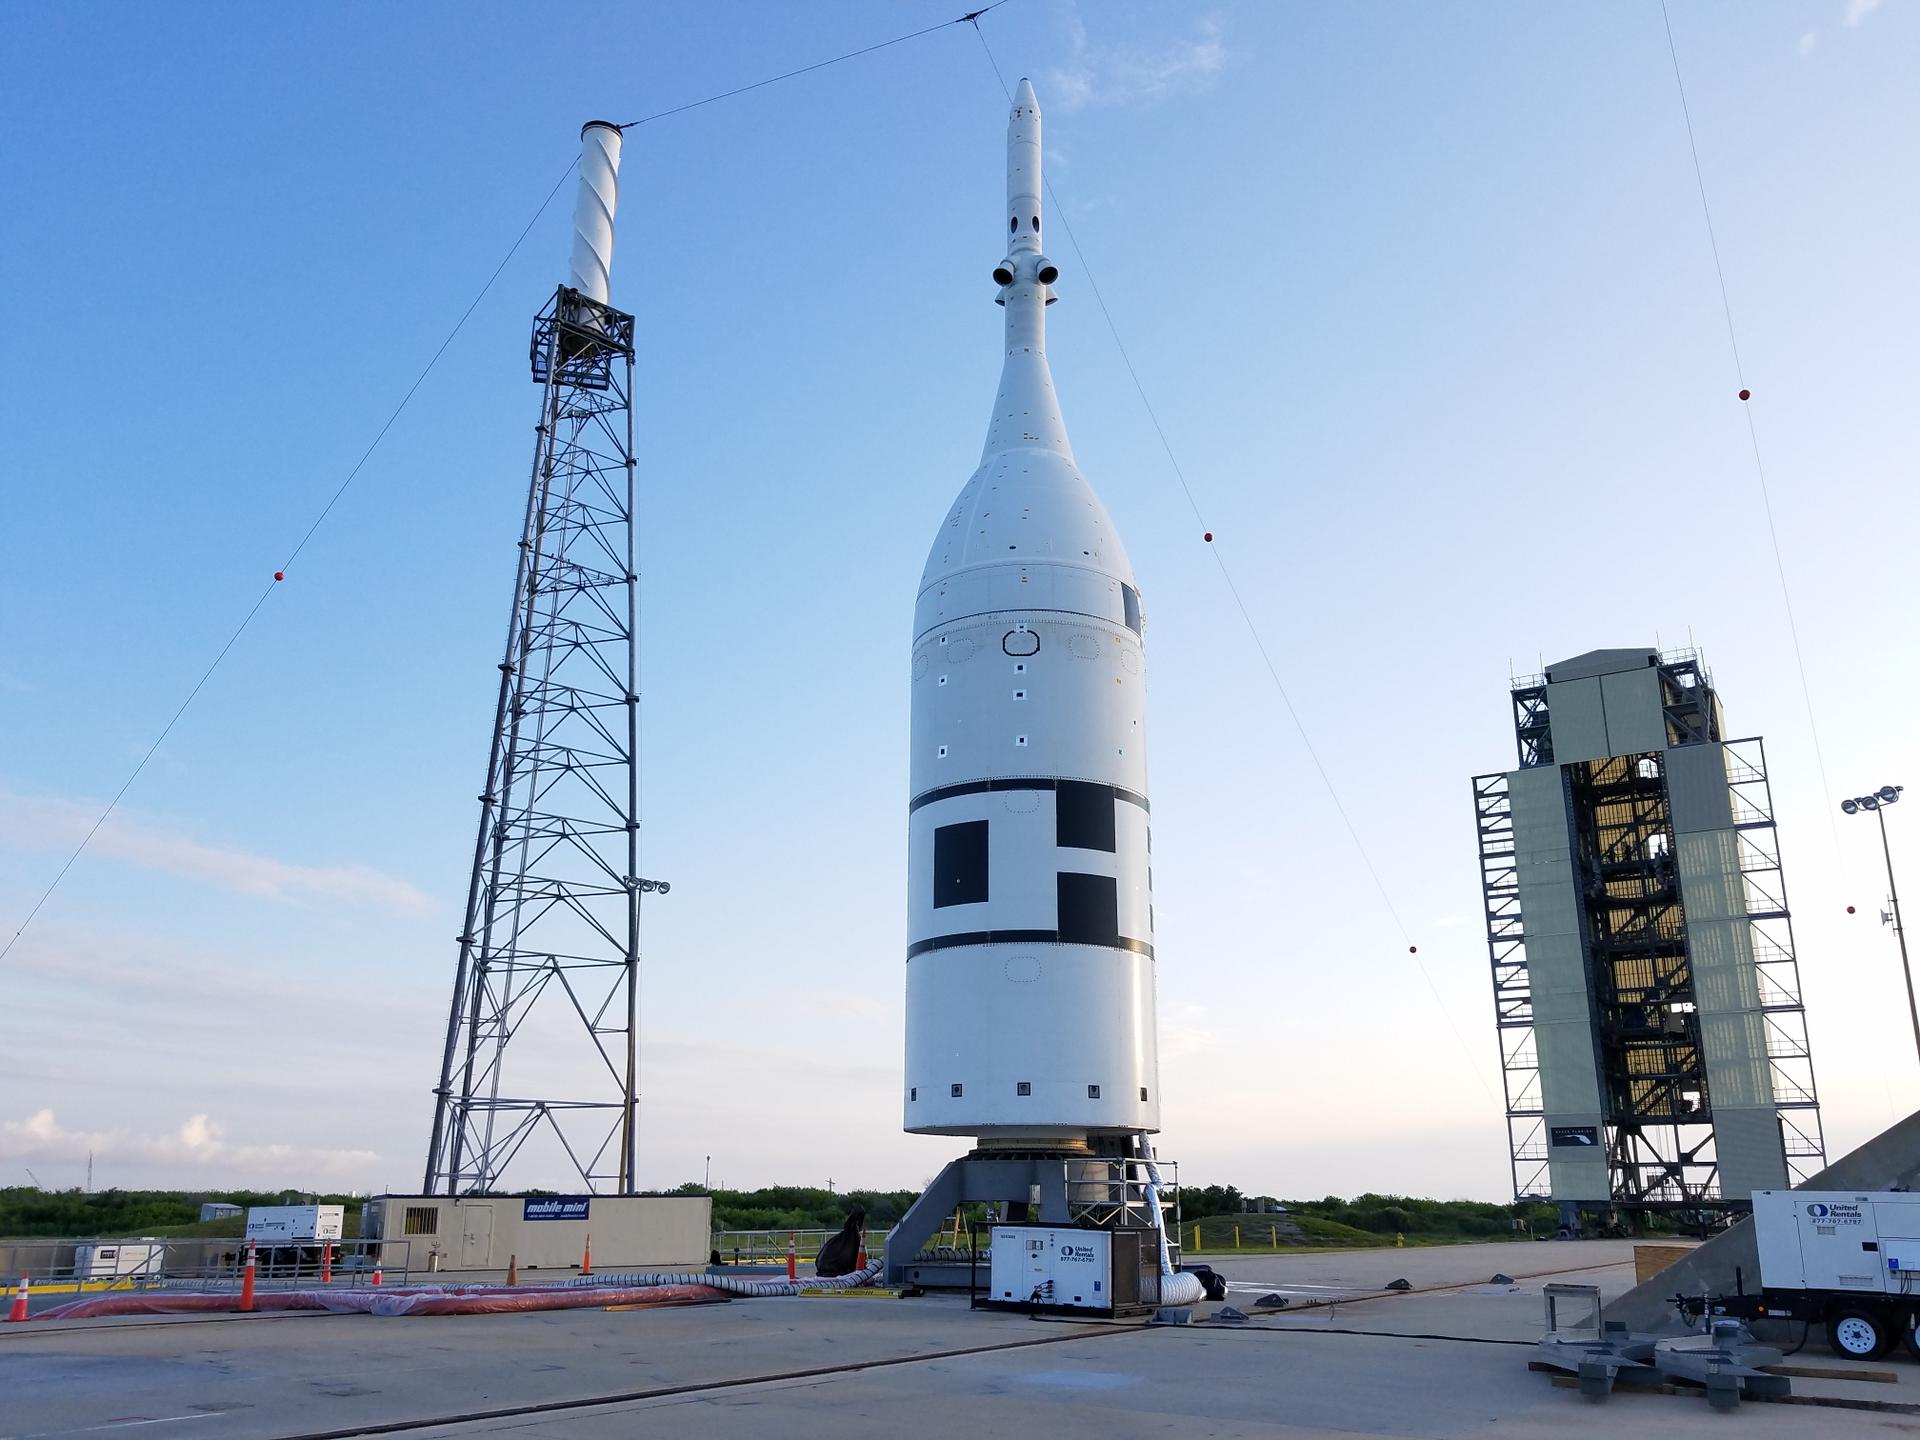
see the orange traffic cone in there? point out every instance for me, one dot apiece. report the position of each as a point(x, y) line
point(246, 1281)
point(586, 1257)
point(793, 1268)
point(513, 1269)
point(376, 1276)
point(19, 1308)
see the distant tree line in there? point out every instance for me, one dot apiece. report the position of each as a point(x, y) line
point(1384, 1215)
point(801, 1207)
point(27, 1213)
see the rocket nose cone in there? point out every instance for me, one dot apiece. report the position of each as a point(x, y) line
point(1023, 97)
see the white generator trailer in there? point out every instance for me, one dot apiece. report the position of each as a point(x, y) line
point(293, 1235)
point(295, 1224)
point(1839, 1258)
point(111, 1259)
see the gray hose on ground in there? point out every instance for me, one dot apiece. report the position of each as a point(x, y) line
point(737, 1284)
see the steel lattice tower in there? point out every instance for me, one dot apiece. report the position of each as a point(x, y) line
point(551, 941)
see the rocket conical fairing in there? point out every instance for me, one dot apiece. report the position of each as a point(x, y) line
point(1030, 973)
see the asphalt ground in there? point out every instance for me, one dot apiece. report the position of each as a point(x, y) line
point(1345, 1358)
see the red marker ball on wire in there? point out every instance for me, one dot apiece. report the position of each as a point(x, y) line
point(1745, 394)
point(279, 574)
point(1413, 949)
point(1849, 909)
point(1208, 537)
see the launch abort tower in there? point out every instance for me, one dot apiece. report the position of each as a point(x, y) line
point(1644, 981)
point(550, 946)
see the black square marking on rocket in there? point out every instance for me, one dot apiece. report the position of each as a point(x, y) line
point(1130, 597)
point(960, 863)
point(1083, 816)
point(1089, 909)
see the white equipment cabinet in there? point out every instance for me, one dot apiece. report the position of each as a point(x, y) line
point(1062, 1267)
point(1838, 1240)
point(295, 1224)
point(109, 1259)
point(1044, 1266)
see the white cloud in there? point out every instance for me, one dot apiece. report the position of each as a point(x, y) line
point(37, 822)
point(1807, 42)
point(1858, 10)
point(196, 1150)
point(1102, 74)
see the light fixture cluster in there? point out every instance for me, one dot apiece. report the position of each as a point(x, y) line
point(1885, 795)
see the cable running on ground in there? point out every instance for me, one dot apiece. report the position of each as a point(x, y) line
point(1753, 434)
point(1273, 671)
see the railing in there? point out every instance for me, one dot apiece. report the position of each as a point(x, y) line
point(86, 1267)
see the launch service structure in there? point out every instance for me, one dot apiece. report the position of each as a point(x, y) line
point(1645, 987)
point(1030, 965)
point(541, 1047)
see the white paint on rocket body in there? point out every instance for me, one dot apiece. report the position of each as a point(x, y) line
point(1029, 730)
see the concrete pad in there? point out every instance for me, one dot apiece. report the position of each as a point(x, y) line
point(266, 1377)
point(1173, 1383)
point(1441, 1361)
point(1426, 1266)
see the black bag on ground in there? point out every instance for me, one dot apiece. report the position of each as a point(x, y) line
point(841, 1254)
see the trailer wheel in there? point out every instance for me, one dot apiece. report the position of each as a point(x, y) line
point(1859, 1333)
point(1913, 1336)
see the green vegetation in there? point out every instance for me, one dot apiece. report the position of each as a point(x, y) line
point(799, 1207)
point(1363, 1220)
point(26, 1213)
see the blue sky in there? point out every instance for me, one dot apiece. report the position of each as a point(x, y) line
point(1421, 294)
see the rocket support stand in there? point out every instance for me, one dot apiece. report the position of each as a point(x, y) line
point(1104, 1187)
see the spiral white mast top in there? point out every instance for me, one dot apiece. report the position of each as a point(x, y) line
point(593, 209)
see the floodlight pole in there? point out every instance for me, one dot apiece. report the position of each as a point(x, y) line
point(1899, 930)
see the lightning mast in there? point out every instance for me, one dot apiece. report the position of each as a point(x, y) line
point(550, 948)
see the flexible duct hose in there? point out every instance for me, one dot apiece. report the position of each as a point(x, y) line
point(1176, 1287)
point(737, 1284)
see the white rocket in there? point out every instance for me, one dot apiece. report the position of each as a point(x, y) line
point(1030, 981)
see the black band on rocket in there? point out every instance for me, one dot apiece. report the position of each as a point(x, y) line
point(976, 787)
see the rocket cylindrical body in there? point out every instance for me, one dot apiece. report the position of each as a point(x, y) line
point(1030, 979)
point(593, 210)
